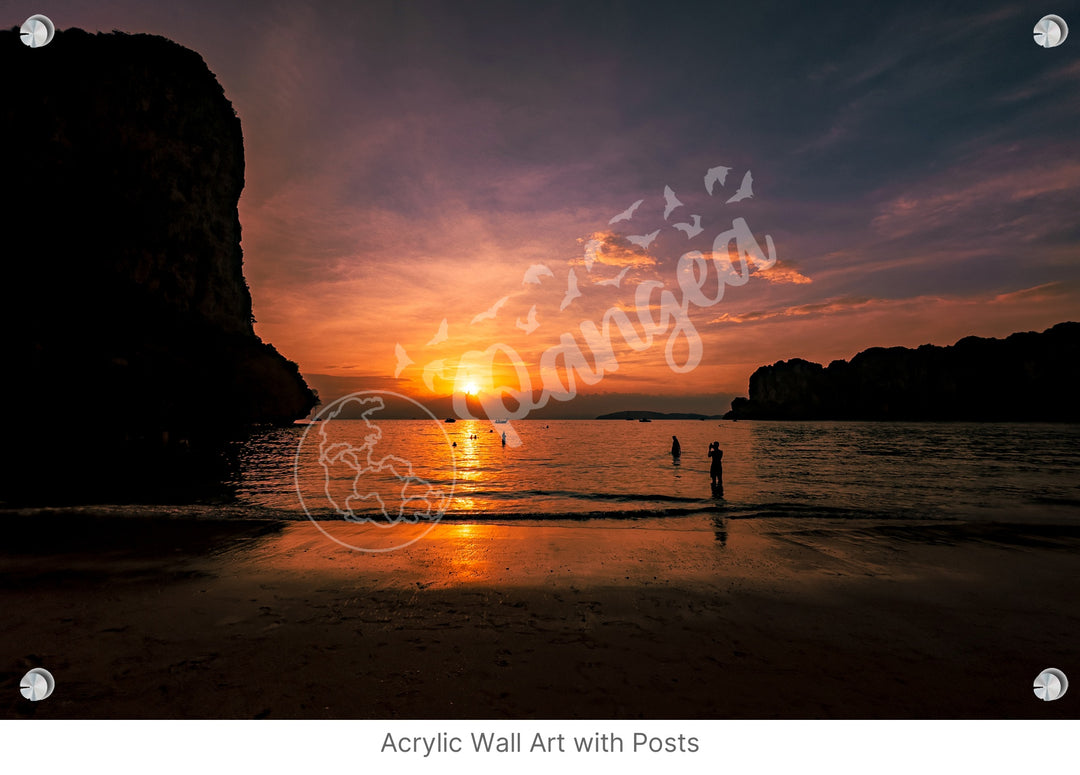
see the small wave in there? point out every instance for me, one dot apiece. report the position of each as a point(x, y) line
point(608, 514)
point(569, 495)
point(230, 510)
point(256, 512)
point(792, 510)
point(642, 508)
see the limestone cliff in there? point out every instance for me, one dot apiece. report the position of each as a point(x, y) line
point(1026, 377)
point(126, 316)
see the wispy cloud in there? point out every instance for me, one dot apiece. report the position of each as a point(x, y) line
point(830, 307)
point(1046, 292)
point(964, 198)
point(783, 273)
point(615, 250)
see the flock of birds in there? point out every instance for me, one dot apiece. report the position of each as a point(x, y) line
point(535, 274)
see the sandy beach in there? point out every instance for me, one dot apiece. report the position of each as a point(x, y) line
point(169, 618)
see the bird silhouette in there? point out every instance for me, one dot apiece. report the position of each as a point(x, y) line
point(628, 213)
point(535, 272)
point(670, 201)
point(592, 248)
point(572, 291)
point(530, 323)
point(644, 240)
point(403, 359)
point(617, 279)
point(433, 370)
point(441, 336)
point(745, 189)
point(491, 311)
point(691, 230)
point(715, 175)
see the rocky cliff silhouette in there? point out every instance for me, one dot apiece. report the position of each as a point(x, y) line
point(127, 324)
point(1025, 377)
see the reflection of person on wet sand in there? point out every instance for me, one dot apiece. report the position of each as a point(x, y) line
point(716, 470)
point(720, 530)
point(676, 448)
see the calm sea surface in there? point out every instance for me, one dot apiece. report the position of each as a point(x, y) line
point(624, 470)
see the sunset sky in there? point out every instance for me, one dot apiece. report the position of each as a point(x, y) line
point(917, 169)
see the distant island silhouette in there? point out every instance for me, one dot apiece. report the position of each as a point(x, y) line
point(636, 414)
point(1025, 377)
point(127, 321)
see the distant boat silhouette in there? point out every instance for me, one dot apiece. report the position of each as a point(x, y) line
point(450, 419)
point(500, 422)
point(644, 419)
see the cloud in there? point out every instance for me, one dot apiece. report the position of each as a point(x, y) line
point(830, 307)
point(783, 273)
point(1049, 86)
point(1038, 293)
point(615, 250)
point(999, 185)
point(1045, 292)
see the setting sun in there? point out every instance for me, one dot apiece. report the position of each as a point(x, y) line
point(471, 389)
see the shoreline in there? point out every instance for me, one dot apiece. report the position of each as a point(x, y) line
point(763, 618)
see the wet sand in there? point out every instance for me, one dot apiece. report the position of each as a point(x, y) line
point(167, 618)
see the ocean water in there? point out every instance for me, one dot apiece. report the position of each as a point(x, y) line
point(613, 469)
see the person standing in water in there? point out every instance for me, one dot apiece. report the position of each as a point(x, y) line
point(504, 438)
point(676, 448)
point(716, 470)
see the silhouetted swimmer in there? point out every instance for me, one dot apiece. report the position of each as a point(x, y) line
point(716, 470)
point(676, 448)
